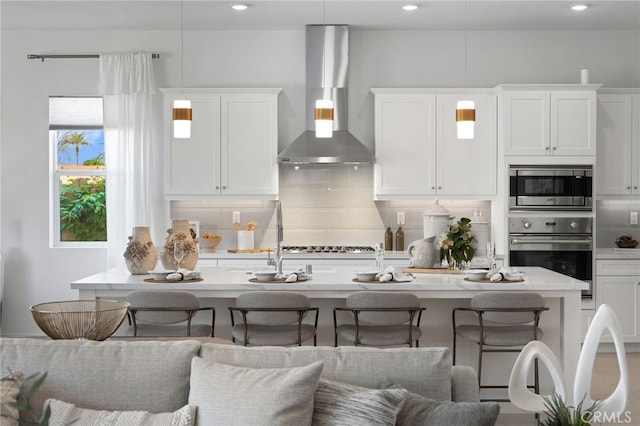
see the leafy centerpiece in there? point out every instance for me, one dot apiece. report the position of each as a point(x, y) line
point(456, 247)
point(559, 414)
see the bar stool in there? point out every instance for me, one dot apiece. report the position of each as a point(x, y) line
point(272, 318)
point(504, 320)
point(380, 319)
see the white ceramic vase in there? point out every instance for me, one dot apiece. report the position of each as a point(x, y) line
point(141, 255)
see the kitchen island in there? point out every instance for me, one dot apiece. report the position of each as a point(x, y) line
point(329, 286)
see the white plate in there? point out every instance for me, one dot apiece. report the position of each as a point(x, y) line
point(160, 275)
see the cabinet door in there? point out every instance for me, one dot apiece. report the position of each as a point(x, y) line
point(191, 165)
point(622, 294)
point(466, 166)
point(614, 160)
point(573, 123)
point(249, 144)
point(635, 146)
point(405, 136)
point(526, 123)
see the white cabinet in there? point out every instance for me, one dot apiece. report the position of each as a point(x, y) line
point(618, 285)
point(618, 159)
point(233, 146)
point(418, 152)
point(549, 122)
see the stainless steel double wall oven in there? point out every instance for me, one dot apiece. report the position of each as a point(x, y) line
point(538, 234)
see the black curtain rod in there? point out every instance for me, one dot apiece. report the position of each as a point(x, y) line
point(43, 57)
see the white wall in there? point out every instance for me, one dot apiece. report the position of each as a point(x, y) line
point(35, 273)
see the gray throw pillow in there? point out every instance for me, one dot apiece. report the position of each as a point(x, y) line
point(418, 410)
point(230, 395)
point(338, 404)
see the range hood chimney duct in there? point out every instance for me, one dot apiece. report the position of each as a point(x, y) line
point(328, 51)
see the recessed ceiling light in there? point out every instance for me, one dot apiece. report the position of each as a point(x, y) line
point(410, 7)
point(579, 7)
point(239, 7)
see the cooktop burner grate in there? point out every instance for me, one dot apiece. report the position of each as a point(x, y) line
point(328, 249)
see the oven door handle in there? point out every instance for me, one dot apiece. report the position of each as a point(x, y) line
point(534, 241)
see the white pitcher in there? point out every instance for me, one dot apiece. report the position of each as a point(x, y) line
point(423, 253)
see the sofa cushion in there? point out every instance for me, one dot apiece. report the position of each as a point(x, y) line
point(341, 404)
point(230, 395)
point(425, 371)
point(9, 392)
point(134, 375)
point(63, 414)
point(420, 411)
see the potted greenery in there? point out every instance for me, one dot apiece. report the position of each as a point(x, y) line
point(559, 414)
point(456, 247)
point(28, 388)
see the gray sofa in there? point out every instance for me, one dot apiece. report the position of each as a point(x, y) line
point(155, 376)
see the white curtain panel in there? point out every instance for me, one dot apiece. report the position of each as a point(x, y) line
point(133, 162)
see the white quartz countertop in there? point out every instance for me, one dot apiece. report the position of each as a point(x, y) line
point(325, 281)
point(617, 253)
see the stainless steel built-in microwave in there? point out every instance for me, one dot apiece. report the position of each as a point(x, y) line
point(550, 187)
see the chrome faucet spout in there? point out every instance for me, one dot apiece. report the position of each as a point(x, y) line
point(279, 238)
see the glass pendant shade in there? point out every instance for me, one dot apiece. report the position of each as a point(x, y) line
point(323, 116)
point(182, 119)
point(465, 119)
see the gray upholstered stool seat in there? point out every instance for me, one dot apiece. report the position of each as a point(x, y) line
point(161, 312)
point(506, 321)
point(379, 319)
point(272, 318)
point(510, 335)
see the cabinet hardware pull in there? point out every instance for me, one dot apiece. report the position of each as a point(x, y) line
point(554, 148)
point(433, 187)
point(546, 148)
point(224, 187)
point(439, 187)
point(628, 187)
point(217, 187)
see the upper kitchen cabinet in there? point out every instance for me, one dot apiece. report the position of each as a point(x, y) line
point(618, 160)
point(233, 147)
point(549, 120)
point(418, 152)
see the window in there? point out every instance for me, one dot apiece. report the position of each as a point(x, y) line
point(78, 195)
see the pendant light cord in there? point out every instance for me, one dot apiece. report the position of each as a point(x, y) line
point(465, 47)
point(324, 44)
point(182, 49)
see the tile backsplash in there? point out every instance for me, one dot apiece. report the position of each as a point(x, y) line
point(612, 221)
point(326, 205)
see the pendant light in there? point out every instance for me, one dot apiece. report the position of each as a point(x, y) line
point(182, 107)
point(323, 112)
point(466, 109)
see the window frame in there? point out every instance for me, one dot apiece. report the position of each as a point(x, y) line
point(55, 234)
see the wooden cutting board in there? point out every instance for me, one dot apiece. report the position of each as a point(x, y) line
point(432, 271)
point(258, 250)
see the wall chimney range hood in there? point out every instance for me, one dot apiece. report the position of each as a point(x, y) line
point(328, 51)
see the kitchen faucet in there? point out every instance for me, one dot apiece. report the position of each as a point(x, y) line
point(277, 255)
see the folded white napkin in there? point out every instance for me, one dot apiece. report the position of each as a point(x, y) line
point(291, 277)
point(392, 274)
point(507, 274)
point(183, 275)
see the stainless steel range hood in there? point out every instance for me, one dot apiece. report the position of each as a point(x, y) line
point(328, 48)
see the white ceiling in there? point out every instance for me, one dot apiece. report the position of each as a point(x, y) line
point(295, 14)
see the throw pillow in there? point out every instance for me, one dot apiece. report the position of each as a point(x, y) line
point(421, 411)
point(9, 391)
point(231, 395)
point(63, 413)
point(343, 404)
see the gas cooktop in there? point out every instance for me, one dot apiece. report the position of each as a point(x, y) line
point(328, 249)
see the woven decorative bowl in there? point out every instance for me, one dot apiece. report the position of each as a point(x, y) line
point(209, 244)
point(626, 242)
point(80, 319)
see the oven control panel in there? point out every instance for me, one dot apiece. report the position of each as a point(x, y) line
point(550, 225)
